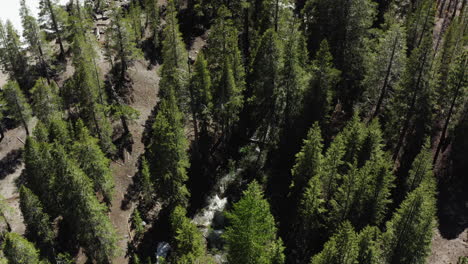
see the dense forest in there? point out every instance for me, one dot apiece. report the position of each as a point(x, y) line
point(234, 131)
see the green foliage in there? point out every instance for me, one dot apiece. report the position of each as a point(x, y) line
point(13, 58)
point(123, 38)
point(152, 21)
point(189, 244)
point(251, 235)
point(54, 17)
point(421, 169)
point(18, 250)
point(174, 71)
point(146, 185)
point(386, 68)
point(308, 161)
point(134, 20)
point(38, 226)
point(332, 165)
point(95, 231)
point(420, 23)
point(200, 86)
point(340, 249)
point(322, 87)
point(167, 153)
point(409, 233)
point(46, 101)
point(17, 105)
point(137, 224)
point(93, 162)
point(368, 241)
point(267, 100)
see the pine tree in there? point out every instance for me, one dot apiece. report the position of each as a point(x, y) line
point(411, 107)
point(12, 56)
point(342, 247)
point(95, 231)
point(38, 226)
point(267, 95)
point(322, 87)
point(200, 90)
point(135, 21)
point(369, 248)
point(345, 24)
point(409, 233)
point(174, 71)
point(308, 161)
point(46, 101)
point(420, 23)
point(93, 162)
point(167, 153)
point(16, 104)
point(122, 42)
point(227, 72)
point(308, 233)
point(152, 21)
point(54, 17)
point(332, 164)
point(189, 244)
point(421, 169)
point(386, 67)
point(251, 236)
point(88, 91)
point(456, 91)
point(137, 224)
point(353, 137)
point(146, 185)
point(18, 250)
point(34, 38)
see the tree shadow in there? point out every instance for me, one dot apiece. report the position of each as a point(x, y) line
point(452, 200)
point(10, 162)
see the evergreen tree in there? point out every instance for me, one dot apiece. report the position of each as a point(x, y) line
point(93, 162)
point(251, 236)
point(308, 161)
point(18, 250)
point(137, 224)
point(46, 101)
point(332, 164)
point(88, 92)
point(345, 24)
point(189, 244)
point(152, 21)
point(12, 56)
point(411, 107)
point(16, 104)
point(227, 72)
point(353, 137)
point(409, 233)
point(167, 153)
point(322, 87)
point(386, 68)
point(369, 248)
point(200, 90)
point(34, 38)
point(267, 95)
point(95, 231)
point(342, 247)
point(174, 71)
point(420, 23)
point(135, 21)
point(146, 185)
point(456, 92)
point(37, 221)
point(54, 17)
point(122, 41)
point(421, 169)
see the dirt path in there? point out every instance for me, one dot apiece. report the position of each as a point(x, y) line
point(10, 145)
point(446, 251)
point(145, 97)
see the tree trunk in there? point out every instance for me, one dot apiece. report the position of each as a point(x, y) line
point(387, 75)
point(410, 110)
point(447, 121)
point(56, 29)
